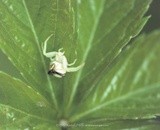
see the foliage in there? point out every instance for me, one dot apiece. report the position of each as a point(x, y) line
point(119, 86)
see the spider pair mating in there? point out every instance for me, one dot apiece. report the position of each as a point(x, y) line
point(58, 62)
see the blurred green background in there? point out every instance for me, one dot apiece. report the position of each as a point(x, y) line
point(153, 23)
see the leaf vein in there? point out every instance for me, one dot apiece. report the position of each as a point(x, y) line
point(39, 49)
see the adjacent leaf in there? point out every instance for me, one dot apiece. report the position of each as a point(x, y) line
point(23, 108)
point(103, 31)
point(131, 90)
point(12, 119)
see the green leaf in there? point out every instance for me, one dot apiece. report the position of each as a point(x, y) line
point(20, 104)
point(21, 38)
point(12, 119)
point(131, 90)
point(103, 32)
point(8, 67)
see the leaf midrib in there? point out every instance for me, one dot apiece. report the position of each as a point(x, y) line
point(42, 58)
point(85, 54)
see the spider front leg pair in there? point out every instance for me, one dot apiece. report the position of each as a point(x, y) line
point(50, 55)
point(58, 62)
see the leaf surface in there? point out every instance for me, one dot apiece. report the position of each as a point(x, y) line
point(103, 32)
point(25, 26)
point(19, 103)
point(131, 90)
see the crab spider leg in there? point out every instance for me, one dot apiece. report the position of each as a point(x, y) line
point(48, 54)
point(72, 63)
point(73, 69)
point(61, 50)
point(45, 44)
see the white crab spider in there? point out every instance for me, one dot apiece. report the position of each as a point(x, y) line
point(58, 62)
